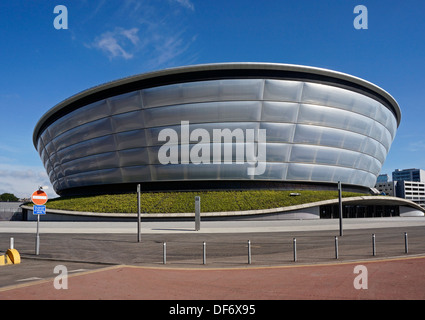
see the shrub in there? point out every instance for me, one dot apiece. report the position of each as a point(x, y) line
point(178, 202)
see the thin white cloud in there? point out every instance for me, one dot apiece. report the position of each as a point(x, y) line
point(168, 48)
point(118, 43)
point(186, 3)
point(415, 146)
point(157, 37)
point(22, 181)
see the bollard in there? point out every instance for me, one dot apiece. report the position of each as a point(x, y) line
point(336, 247)
point(197, 213)
point(164, 253)
point(373, 245)
point(294, 241)
point(139, 227)
point(406, 246)
point(204, 250)
point(249, 252)
point(12, 243)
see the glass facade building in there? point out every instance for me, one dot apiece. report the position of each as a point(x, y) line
point(319, 126)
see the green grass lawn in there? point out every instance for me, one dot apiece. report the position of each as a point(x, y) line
point(176, 202)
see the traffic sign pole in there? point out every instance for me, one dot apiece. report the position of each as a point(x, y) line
point(37, 238)
point(39, 198)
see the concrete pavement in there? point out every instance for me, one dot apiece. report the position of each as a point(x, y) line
point(87, 246)
point(224, 226)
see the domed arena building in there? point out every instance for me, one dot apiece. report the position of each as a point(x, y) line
point(220, 126)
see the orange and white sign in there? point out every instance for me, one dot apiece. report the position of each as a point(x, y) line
point(39, 197)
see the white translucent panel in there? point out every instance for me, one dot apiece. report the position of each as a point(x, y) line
point(383, 115)
point(125, 102)
point(130, 139)
point(55, 160)
point(365, 105)
point(209, 171)
point(326, 173)
point(336, 118)
point(45, 137)
point(51, 173)
point(368, 163)
point(40, 146)
point(392, 126)
point(278, 132)
point(311, 134)
point(169, 151)
point(391, 122)
point(203, 91)
point(204, 112)
point(299, 172)
point(210, 153)
point(133, 157)
point(381, 134)
point(87, 148)
point(168, 172)
point(84, 132)
point(350, 140)
point(363, 178)
point(300, 153)
point(273, 171)
point(314, 132)
point(241, 89)
point(106, 176)
point(50, 147)
point(234, 171)
point(347, 158)
point(344, 175)
point(136, 174)
point(283, 90)
point(44, 156)
point(181, 93)
point(339, 98)
point(327, 155)
point(280, 111)
point(56, 185)
point(127, 121)
point(209, 129)
point(62, 183)
point(278, 152)
point(91, 163)
point(337, 138)
point(321, 173)
point(375, 149)
point(323, 155)
point(80, 116)
point(370, 180)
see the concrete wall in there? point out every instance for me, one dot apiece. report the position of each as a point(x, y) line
point(410, 212)
point(10, 211)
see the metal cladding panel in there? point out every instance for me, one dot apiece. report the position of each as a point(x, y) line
point(211, 130)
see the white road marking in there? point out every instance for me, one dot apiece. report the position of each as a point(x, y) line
point(29, 279)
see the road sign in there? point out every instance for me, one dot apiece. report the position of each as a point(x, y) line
point(39, 209)
point(39, 197)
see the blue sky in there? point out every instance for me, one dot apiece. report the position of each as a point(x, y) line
point(111, 39)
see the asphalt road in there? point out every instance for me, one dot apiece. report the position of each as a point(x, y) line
point(82, 247)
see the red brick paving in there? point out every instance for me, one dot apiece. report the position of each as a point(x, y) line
point(402, 278)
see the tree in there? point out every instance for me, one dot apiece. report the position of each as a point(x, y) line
point(8, 197)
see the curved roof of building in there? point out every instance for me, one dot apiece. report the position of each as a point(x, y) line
point(216, 71)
